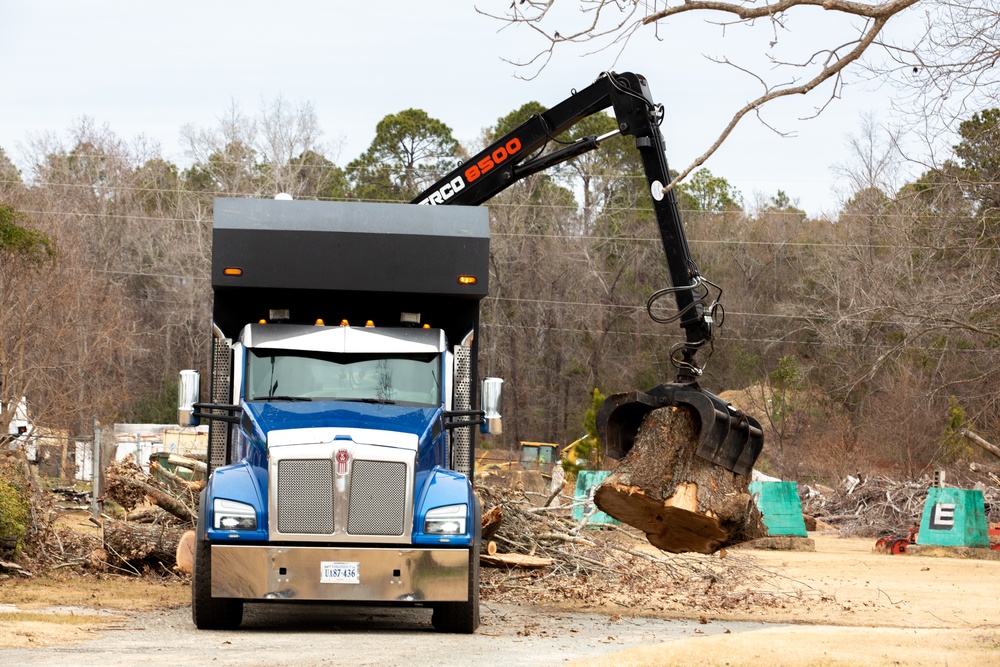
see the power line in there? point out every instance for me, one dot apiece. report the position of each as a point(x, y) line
point(566, 236)
point(750, 339)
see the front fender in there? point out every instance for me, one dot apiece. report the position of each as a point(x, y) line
point(235, 482)
point(441, 487)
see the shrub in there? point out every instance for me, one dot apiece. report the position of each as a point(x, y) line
point(15, 511)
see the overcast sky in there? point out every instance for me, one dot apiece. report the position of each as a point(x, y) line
point(145, 68)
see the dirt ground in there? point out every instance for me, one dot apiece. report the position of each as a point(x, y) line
point(886, 610)
point(840, 605)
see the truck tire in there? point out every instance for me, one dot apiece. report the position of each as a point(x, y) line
point(210, 613)
point(463, 617)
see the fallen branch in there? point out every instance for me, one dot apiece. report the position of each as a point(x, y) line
point(193, 464)
point(6, 566)
point(984, 444)
point(173, 478)
point(566, 538)
point(167, 502)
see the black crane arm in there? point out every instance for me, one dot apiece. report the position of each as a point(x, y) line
point(727, 436)
point(519, 154)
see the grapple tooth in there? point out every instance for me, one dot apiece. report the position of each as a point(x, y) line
point(726, 436)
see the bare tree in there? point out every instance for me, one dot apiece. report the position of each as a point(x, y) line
point(277, 150)
point(949, 70)
point(65, 326)
point(821, 70)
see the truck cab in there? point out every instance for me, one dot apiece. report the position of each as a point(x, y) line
point(342, 415)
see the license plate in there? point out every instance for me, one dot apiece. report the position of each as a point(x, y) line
point(333, 572)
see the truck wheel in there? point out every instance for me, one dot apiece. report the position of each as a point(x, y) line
point(463, 617)
point(210, 613)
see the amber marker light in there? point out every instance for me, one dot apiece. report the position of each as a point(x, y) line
point(320, 322)
point(427, 326)
point(345, 323)
point(369, 323)
point(466, 280)
point(232, 271)
point(262, 322)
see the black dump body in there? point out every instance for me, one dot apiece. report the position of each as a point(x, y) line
point(348, 260)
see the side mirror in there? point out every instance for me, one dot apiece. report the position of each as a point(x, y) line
point(492, 400)
point(188, 393)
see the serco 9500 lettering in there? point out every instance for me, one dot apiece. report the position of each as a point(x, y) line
point(474, 172)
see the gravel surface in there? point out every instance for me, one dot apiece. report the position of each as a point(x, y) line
point(306, 634)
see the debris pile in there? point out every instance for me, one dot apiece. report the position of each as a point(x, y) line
point(541, 554)
point(156, 510)
point(876, 506)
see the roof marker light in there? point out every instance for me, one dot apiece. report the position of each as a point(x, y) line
point(232, 271)
point(320, 322)
point(427, 326)
point(345, 323)
point(369, 323)
point(262, 321)
point(466, 280)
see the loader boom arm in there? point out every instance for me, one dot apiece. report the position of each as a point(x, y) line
point(518, 154)
point(727, 436)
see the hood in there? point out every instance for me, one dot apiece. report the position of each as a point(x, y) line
point(326, 419)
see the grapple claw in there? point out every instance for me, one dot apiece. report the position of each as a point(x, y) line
point(726, 436)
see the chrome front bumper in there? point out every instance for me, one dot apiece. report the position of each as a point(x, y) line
point(382, 575)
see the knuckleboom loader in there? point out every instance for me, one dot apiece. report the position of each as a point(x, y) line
point(343, 390)
point(727, 437)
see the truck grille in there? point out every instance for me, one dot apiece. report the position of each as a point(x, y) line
point(305, 496)
point(378, 498)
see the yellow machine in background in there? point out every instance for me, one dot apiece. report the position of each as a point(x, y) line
point(539, 456)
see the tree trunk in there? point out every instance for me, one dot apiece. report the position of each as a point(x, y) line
point(681, 501)
point(138, 543)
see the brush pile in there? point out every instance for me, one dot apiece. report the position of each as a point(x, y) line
point(876, 506)
point(540, 554)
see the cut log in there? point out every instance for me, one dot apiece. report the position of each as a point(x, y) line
point(681, 501)
point(984, 469)
point(185, 553)
point(514, 560)
point(140, 543)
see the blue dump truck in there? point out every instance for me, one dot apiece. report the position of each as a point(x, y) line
point(341, 408)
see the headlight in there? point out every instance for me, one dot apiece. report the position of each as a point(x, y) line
point(447, 520)
point(231, 515)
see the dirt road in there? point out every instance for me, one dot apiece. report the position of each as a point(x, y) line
point(840, 605)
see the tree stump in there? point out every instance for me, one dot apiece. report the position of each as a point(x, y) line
point(681, 501)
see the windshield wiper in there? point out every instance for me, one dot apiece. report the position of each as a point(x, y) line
point(281, 398)
point(381, 401)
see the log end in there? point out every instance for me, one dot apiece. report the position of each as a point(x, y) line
point(185, 553)
point(673, 525)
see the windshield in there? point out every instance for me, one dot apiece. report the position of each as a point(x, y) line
point(409, 379)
